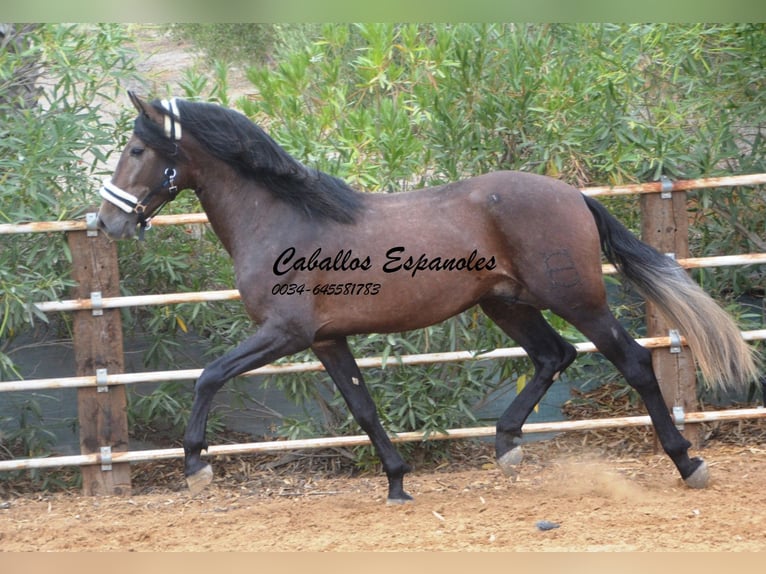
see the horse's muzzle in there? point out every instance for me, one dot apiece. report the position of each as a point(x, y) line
point(116, 224)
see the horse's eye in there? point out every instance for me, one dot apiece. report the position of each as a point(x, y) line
point(136, 151)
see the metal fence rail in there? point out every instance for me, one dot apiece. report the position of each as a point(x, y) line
point(359, 440)
point(117, 379)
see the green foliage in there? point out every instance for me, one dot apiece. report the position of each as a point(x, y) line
point(163, 413)
point(28, 436)
point(564, 100)
point(54, 137)
point(49, 153)
point(239, 43)
point(391, 107)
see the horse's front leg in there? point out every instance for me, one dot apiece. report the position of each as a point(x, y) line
point(267, 345)
point(341, 366)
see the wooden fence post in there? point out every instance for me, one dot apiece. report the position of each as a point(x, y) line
point(102, 410)
point(665, 226)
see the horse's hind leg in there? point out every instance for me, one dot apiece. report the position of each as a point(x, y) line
point(341, 366)
point(550, 355)
point(635, 364)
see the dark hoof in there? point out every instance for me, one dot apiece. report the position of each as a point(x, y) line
point(403, 498)
point(700, 477)
point(200, 479)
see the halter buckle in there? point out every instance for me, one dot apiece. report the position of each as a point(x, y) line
point(170, 181)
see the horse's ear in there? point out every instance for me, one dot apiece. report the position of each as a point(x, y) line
point(138, 102)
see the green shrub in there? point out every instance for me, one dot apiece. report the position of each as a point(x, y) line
point(391, 107)
point(55, 134)
point(51, 147)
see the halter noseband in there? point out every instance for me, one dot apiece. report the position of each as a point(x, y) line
point(128, 202)
point(131, 204)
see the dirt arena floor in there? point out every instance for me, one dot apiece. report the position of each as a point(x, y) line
point(597, 502)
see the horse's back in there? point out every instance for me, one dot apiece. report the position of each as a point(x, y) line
point(518, 191)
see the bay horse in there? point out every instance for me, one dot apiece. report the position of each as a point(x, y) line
point(317, 261)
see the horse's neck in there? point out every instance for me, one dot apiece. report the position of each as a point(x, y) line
point(240, 211)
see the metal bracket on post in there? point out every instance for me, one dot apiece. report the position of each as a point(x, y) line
point(97, 303)
point(91, 224)
point(666, 191)
point(675, 341)
point(679, 417)
point(106, 458)
point(101, 385)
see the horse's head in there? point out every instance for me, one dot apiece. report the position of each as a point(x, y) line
point(147, 175)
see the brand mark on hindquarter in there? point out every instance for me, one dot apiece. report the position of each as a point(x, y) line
point(561, 269)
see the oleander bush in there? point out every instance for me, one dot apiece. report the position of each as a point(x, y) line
point(56, 82)
point(392, 107)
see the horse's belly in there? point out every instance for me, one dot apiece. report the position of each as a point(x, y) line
point(401, 305)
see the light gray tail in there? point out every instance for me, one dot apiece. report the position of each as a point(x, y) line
point(725, 360)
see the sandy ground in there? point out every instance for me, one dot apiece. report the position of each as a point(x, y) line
point(599, 504)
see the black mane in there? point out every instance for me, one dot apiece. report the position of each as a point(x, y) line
point(233, 138)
